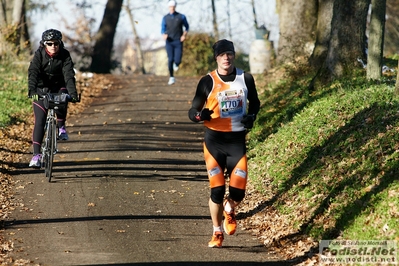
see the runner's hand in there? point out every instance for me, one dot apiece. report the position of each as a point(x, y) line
point(205, 114)
point(248, 121)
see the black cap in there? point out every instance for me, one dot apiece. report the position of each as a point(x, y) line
point(222, 46)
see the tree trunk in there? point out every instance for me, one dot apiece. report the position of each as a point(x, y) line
point(254, 14)
point(397, 81)
point(14, 35)
point(3, 19)
point(25, 36)
point(323, 33)
point(136, 39)
point(348, 37)
point(19, 24)
point(17, 12)
point(391, 36)
point(229, 20)
point(215, 21)
point(3, 24)
point(376, 39)
point(297, 26)
point(101, 56)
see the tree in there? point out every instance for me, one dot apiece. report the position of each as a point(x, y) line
point(376, 39)
point(391, 36)
point(297, 26)
point(14, 30)
point(214, 21)
point(348, 37)
point(136, 38)
point(78, 35)
point(397, 81)
point(101, 56)
point(323, 32)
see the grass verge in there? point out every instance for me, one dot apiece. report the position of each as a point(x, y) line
point(13, 91)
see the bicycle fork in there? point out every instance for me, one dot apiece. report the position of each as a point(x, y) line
point(48, 137)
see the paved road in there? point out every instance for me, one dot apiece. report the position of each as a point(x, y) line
point(130, 188)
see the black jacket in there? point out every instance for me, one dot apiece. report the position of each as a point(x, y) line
point(51, 72)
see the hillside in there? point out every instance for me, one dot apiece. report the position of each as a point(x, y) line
point(323, 163)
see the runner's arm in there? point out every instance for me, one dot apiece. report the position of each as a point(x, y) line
point(203, 89)
point(254, 103)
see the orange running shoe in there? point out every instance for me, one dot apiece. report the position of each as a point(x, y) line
point(229, 222)
point(216, 241)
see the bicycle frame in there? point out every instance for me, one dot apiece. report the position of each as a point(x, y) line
point(49, 147)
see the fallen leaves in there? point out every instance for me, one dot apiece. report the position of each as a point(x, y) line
point(273, 230)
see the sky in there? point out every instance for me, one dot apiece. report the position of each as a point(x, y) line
point(148, 16)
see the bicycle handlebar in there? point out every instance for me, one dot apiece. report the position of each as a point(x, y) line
point(57, 100)
point(68, 97)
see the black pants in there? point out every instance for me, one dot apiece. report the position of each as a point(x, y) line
point(40, 113)
point(226, 151)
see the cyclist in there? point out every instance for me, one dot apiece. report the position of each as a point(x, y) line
point(227, 101)
point(51, 70)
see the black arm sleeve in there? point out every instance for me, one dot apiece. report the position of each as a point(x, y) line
point(254, 103)
point(204, 87)
point(33, 72)
point(69, 74)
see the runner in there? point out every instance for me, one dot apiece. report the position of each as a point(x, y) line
point(227, 101)
point(174, 36)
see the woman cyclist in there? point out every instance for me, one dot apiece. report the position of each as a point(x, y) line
point(51, 70)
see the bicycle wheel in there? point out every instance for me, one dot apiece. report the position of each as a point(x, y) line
point(50, 147)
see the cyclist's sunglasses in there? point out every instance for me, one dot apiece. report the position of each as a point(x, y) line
point(51, 43)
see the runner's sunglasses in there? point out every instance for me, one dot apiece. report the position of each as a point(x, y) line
point(51, 43)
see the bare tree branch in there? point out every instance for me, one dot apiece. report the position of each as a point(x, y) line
point(136, 37)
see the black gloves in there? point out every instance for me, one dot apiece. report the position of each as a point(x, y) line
point(42, 91)
point(205, 114)
point(74, 97)
point(31, 93)
point(248, 121)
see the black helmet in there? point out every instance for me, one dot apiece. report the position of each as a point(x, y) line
point(51, 34)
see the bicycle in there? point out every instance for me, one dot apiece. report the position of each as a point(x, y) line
point(52, 102)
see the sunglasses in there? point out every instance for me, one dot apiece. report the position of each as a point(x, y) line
point(51, 43)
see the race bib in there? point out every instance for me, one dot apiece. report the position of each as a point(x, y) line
point(231, 103)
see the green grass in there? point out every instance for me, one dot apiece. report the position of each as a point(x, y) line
point(328, 159)
point(14, 102)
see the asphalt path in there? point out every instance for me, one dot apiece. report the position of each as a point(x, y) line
point(129, 188)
